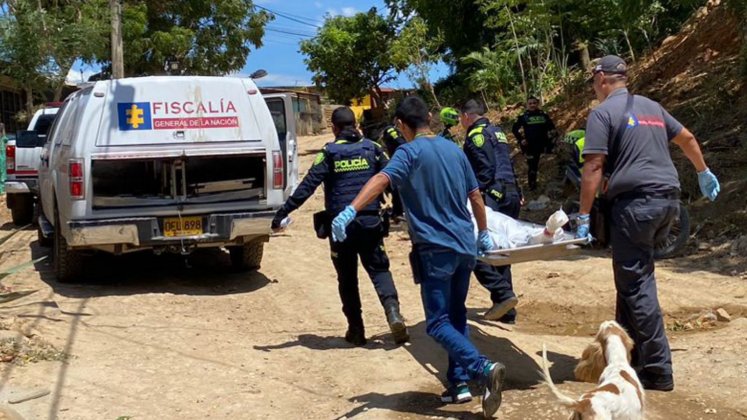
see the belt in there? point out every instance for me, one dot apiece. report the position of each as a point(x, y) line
point(631, 195)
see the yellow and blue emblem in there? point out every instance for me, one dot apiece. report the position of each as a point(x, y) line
point(632, 120)
point(479, 140)
point(134, 116)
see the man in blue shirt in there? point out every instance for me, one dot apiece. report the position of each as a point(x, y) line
point(436, 181)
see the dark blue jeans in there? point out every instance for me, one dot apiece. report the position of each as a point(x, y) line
point(444, 282)
point(637, 225)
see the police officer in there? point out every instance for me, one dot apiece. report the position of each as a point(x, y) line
point(575, 141)
point(449, 118)
point(489, 155)
point(392, 139)
point(537, 138)
point(631, 135)
point(344, 166)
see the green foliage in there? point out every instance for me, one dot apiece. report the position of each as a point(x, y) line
point(415, 50)
point(491, 73)
point(40, 41)
point(204, 37)
point(350, 56)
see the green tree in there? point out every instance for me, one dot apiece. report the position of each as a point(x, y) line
point(491, 73)
point(203, 37)
point(22, 49)
point(41, 40)
point(350, 56)
point(416, 51)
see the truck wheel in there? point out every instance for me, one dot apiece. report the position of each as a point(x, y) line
point(676, 241)
point(67, 262)
point(22, 209)
point(248, 256)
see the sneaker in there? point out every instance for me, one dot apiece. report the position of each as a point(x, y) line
point(458, 394)
point(492, 397)
point(356, 336)
point(397, 324)
point(656, 382)
point(499, 309)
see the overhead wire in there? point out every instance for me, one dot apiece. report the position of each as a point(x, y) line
point(301, 20)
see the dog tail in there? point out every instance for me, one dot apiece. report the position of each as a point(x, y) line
point(547, 379)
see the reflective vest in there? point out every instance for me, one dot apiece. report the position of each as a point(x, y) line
point(351, 165)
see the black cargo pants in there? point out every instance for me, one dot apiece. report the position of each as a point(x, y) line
point(498, 280)
point(365, 239)
point(533, 162)
point(638, 223)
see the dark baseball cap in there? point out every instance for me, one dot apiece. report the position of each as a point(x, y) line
point(609, 64)
point(343, 117)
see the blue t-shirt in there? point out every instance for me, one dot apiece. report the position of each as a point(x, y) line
point(434, 179)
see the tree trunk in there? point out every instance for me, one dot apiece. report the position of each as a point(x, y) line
point(116, 39)
point(484, 100)
point(433, 92)
point(630, 47)
point(583, 49)
point(29, 101)
point(518, 52)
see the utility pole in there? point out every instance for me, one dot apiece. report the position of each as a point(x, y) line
point(117, 50)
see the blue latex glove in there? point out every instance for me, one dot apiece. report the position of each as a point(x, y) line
point(484, 242)
point(341, 222)
point(583, 223)
point(709, 185)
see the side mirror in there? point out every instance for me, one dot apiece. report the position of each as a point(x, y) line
point(30, 139)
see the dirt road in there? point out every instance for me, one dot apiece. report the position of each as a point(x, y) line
point(150, 338)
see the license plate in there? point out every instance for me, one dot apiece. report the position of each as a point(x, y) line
point(184, 226)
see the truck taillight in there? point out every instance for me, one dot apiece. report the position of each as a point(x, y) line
point(10, 159)
point(75, 176)
point(278, 180)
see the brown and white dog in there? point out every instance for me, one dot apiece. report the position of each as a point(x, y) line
point(619, 394)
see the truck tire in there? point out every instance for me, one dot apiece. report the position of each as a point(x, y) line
point(22, 209)
point(676, 241)
point(247, 257)
point(67, 262)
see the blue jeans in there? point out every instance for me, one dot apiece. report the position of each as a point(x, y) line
point(444, 282)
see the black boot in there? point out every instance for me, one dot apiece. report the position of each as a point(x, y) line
point(396, 323)
point(356, 335)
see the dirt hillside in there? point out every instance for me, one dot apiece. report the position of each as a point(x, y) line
point(695, 74)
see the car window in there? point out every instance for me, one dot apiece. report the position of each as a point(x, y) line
point(54, 131)
point(66, 122)
point(277, 110)
point(44, 123)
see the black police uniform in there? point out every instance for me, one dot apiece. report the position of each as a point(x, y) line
point(344, 166)
point(634, 132)
point(489, 154)
point(392, 139)
point(537, 126)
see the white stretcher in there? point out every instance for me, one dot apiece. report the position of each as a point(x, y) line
point(566, 247)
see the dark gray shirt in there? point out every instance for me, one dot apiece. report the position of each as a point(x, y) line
point(641, 161)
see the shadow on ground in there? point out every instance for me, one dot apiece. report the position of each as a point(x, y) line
point(204, 273)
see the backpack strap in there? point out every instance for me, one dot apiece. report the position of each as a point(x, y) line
point(614, 148)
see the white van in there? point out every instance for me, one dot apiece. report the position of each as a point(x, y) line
point(168, 163)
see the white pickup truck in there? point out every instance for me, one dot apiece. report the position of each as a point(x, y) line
point(169, 164)
point(22, 164)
